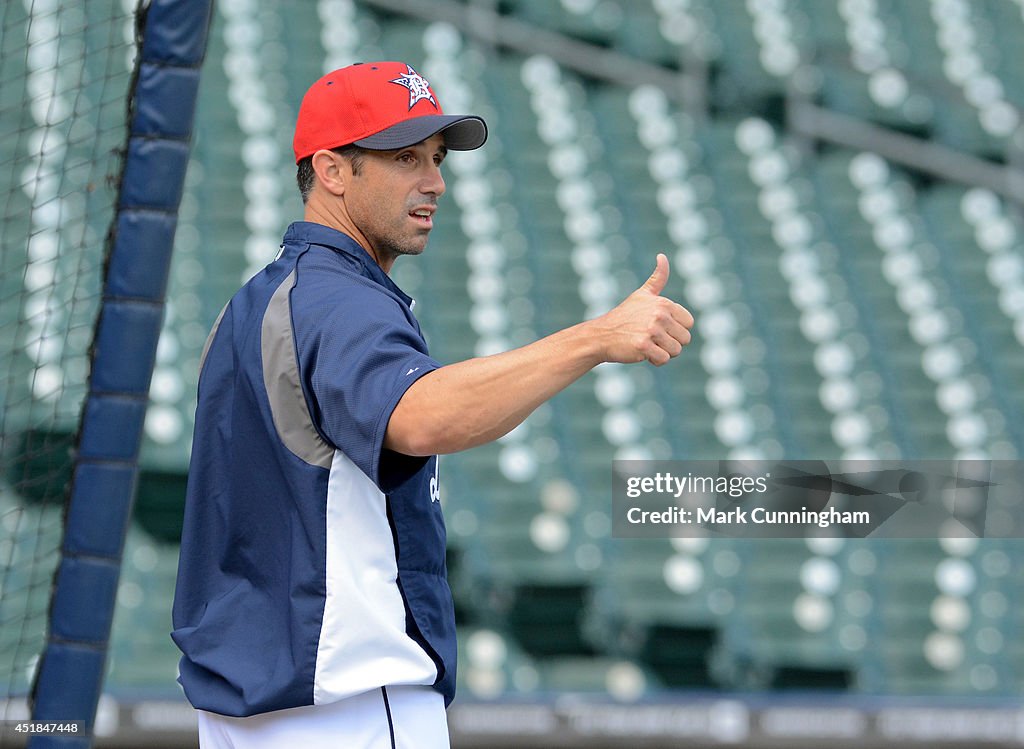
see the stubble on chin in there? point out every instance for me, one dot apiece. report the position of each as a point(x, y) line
point(391, 247)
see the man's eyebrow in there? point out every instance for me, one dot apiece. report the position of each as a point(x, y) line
point(442, 150)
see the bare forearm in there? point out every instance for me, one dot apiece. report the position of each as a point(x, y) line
point(479, 400)
point(467, 404)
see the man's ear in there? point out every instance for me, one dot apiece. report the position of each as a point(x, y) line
point(331, 171)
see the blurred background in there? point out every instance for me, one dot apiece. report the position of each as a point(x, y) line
point(838, 185)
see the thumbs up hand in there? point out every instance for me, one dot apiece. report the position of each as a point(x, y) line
point(645, 325)
point(659, 277)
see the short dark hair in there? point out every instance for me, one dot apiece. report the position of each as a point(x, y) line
point(305, 176)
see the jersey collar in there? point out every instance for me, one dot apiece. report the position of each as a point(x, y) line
point(325, 236)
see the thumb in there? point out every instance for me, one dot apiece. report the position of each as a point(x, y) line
point(659, 278)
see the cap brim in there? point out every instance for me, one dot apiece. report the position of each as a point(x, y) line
point(462, 132)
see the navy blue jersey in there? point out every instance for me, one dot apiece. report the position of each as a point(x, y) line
point(312, 559)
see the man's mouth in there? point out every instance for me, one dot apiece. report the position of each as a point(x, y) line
point(424, 216)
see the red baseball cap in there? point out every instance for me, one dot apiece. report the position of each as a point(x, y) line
point(381, 106)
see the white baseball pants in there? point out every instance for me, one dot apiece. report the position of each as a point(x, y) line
point(395, 717)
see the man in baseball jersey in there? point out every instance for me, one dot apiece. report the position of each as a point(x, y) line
point(312, 607)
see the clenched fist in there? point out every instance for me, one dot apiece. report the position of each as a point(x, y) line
point(645, 325)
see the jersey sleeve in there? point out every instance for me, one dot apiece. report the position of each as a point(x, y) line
point(359, 350)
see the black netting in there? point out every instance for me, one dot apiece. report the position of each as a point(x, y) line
point(65, 70)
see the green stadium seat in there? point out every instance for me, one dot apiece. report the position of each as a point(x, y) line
point(491, 666)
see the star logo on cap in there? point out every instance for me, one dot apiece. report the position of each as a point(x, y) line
point(418, 86)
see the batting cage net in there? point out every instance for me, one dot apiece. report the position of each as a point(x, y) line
point(64, 76)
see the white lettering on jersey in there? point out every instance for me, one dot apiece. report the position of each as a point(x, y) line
point(435, 487)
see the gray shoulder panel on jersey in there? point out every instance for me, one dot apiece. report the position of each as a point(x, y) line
point(281, 380)
point(209, 338)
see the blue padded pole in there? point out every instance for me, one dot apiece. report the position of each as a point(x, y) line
point(161, 107)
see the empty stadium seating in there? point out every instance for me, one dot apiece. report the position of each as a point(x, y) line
point(846, 308)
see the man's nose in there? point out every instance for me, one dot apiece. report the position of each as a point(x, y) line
point(433, 183)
